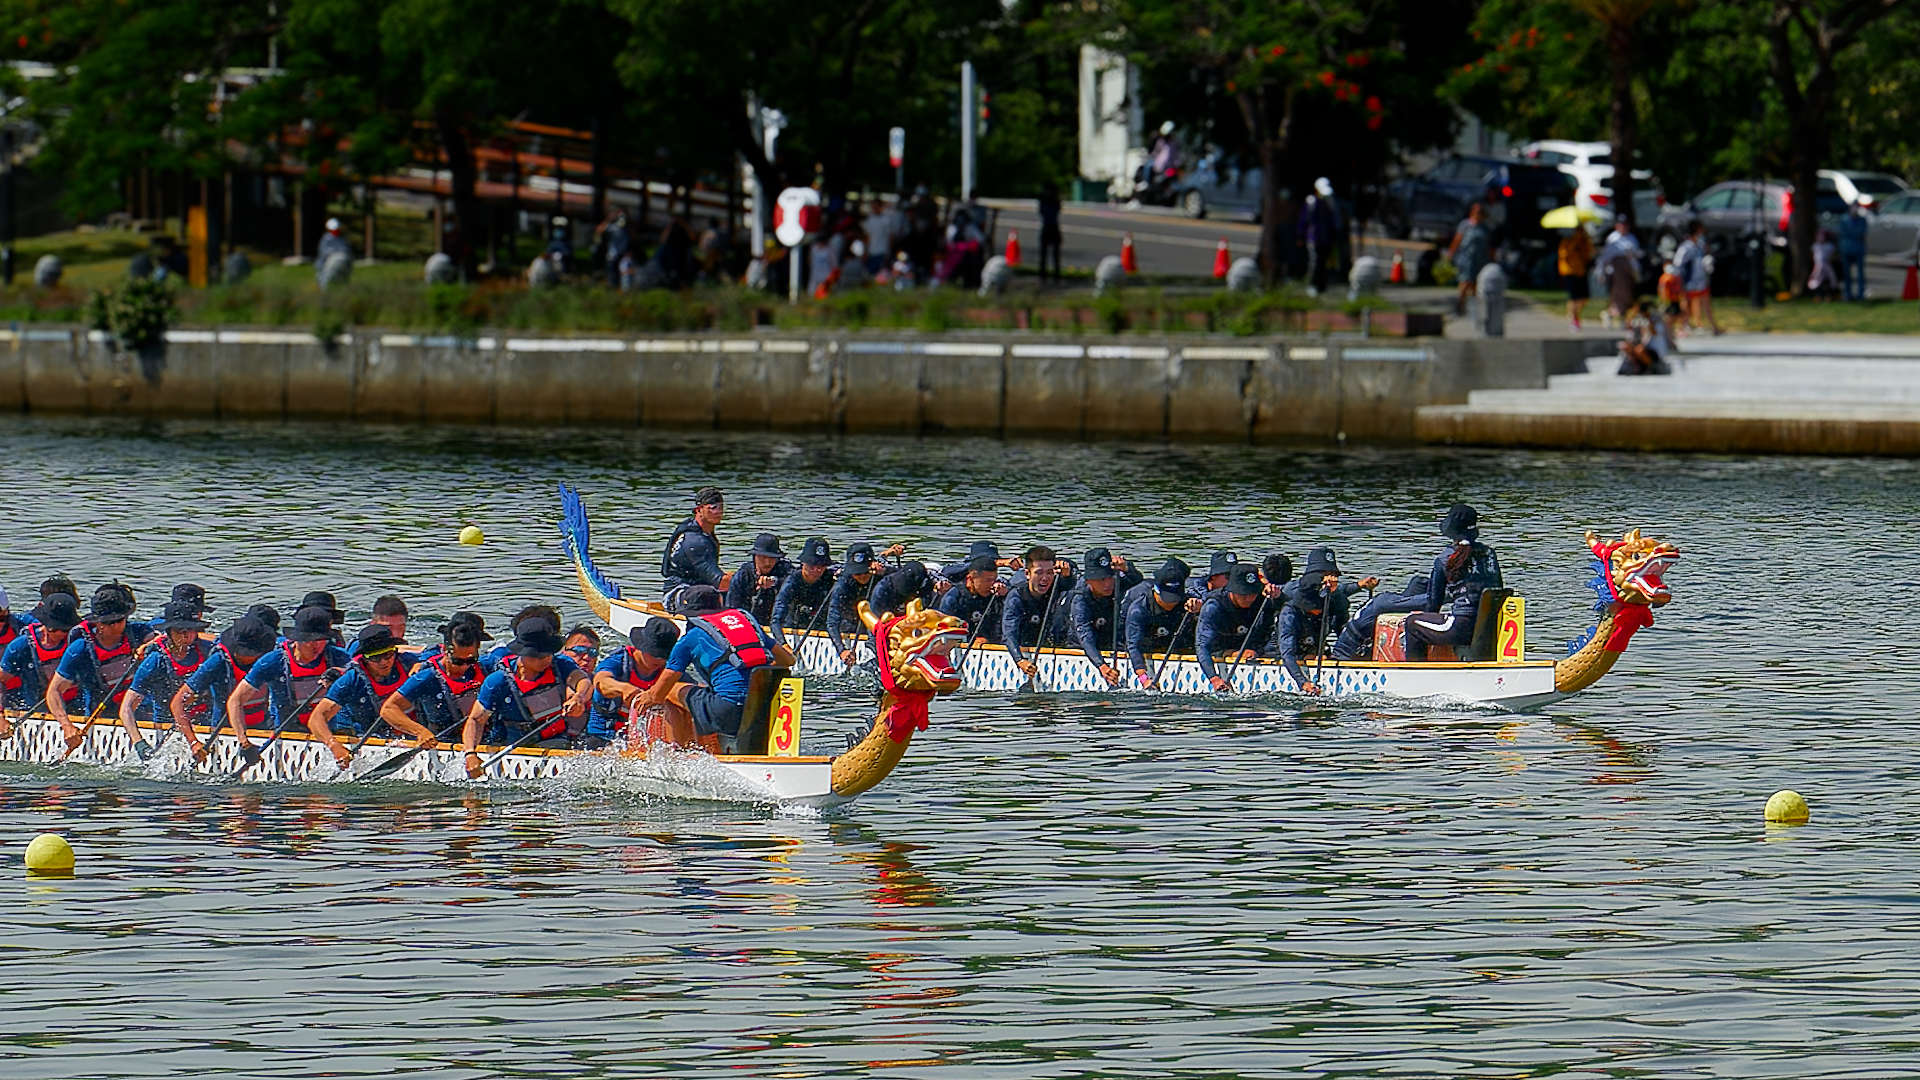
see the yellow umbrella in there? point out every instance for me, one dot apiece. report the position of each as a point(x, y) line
point(1569, 217)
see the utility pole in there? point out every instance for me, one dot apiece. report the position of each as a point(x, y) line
point(969, 116)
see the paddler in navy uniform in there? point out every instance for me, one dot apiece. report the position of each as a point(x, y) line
point(31, 659)
point(1095, 607)
point(202, 700)
point(721, 646)
point(1467, 569)
point(756, 584)
point(955, 573)
point(1316, 607)
point(1025, 620)
point(1231, 619)
point(693, 552)
point(621, 678)
point(291, 677)
point(176, 654)
point(804, 593)
point(1219, 568)
point(354, 702)
point(100, 655)
point(857, 577)
point(444, 685)
point(906, 582)
point(1155, 611)
point(972, 601)
point(532, 690)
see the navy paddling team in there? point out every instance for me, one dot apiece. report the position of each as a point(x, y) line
point(1105, 606)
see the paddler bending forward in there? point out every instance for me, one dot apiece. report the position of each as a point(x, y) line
point(723, 646)
point(531, 699)
point(291, 675)
point(354, 702)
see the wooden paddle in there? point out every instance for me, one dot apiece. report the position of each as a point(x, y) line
point(960, 665)
point(818, 610)
point(250, 754)
point(1244, 640)
point(398, 761)
point(1165, 656)
point(1046, 619)
point(73, 742)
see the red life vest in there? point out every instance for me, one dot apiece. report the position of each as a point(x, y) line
point(461, 692)
point(542, 698)
point(178, 673)
point(305, 681)
point(381, 690)
point(7, 632)
point(737, 631)
point(256, 710)
point(48, 660)
point(8, 682)
point(111, 665)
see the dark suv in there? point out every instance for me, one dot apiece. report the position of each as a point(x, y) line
point(1731, 211)
point(1517, 193)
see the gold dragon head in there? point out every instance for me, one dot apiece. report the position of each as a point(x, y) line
point(917, 645)
point(1636, 566)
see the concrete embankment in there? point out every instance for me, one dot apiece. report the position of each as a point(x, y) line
point(1790, 394)
point(1004, 384)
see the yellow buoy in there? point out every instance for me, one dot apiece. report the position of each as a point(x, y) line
point(472, 535)
point(1787, 808)
point(49, 854)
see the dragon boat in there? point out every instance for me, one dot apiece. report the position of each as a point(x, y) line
point(1628, 582)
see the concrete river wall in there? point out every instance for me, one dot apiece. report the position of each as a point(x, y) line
point(999, 384)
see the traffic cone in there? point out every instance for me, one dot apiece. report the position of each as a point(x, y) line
point(1128, 261)
point(1398, 275)
point(1013, 247)
point(1911, 291)
point(1221, 260)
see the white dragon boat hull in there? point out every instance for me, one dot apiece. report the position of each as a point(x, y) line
point(298, 758)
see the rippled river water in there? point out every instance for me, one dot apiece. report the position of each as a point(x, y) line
point(1048, 887)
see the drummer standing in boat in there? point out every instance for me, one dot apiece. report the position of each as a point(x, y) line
point(693, 551)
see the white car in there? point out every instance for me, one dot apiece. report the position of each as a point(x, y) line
point(1591, 166)
point(1867, 187)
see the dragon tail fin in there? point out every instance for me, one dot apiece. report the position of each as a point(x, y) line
point(598, 588)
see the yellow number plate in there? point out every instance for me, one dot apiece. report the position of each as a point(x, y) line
point(784, 738)
point(1512, 644)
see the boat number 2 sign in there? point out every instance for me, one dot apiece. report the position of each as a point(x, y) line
point(1511, 646)
point(783, 740)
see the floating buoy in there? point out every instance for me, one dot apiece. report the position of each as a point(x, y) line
point(1786, 808)
point(49, 855)
point(472, 535)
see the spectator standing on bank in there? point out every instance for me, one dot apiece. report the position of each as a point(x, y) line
point(1576, 258)
point(1824, 281)
point(1853, 252)
point(1620, 262)
point(1690, 265)
point(1319, 228)
point(331, 243)
point(614, 243)
point(1470, 251)
point(1050, 239)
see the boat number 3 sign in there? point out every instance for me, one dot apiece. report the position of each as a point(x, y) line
point(784, 738)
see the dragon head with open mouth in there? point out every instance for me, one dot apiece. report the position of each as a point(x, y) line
point(918, 648)
point(1635, 567)
point(1629, 581)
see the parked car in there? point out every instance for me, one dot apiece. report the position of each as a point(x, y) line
point(1896, 222)
point(1591, 166)
point(1216, 185)
point(1731, 211)
point(1864, 187)
point(1516, 192)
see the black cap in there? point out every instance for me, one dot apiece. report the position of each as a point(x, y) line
point(374, 639)
point(769, 545)
point(266, 615)
point(1320, 561)
point(708, 496)
point(59, 612)
point(110, 604)
point(1243, 580)
point(859, 555)
point(469, 618)
point(983, 564)
point(312, 623)
point(325, 600)
point(192, 594)
point(1099, 565)
point(181, 615)
point(1277, 569)
point(1223, 563)
point(535, 637)
point(702, 599)
point(1462, 523)
point(248, 636)
point(983, 549)
point(816, 553)
point(1171, 580)
point(656, 637)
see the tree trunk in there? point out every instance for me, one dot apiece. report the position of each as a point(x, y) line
point(1272, 144)
point(464, 173)
point(1807, 132)
point(1622, 116)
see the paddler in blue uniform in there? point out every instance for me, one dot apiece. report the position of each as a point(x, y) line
point(976, 598)
point(1219, 568)
point(1316, 606)
point(534, 694)
point(803, 595)
point(186, 593)
point(582, 646)
point(721, 646)
point(31, 660)
point(1035, 612)
point(291, 677)
point(353, 703)
point(208, 688)
point(546, 612)
point(391, 612)
point(621, 678)
point(693, 551)
point(1159, 619)
point(857, 577)
point(57, 585)
point(176, 654)
point(1095, 608)
point(1235, 624)
point(100, 658)
point(1467, 569)
point(339, 617)
point(441, 691)
point(754, 587)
